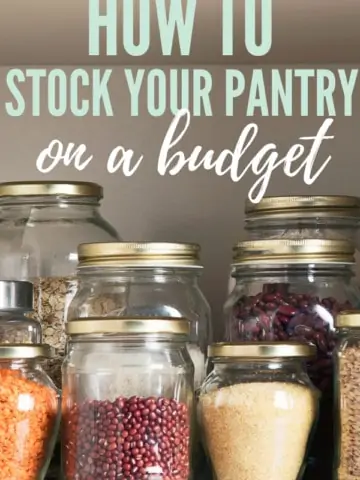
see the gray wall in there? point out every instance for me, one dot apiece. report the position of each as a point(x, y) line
point(199, 206)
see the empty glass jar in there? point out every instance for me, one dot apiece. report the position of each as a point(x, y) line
point(41, 225)
point(16, 300)
point(29, 414)
point(347, 380)
point(127, 399)
point(145, 279)
point(257, 409)
point(293, 289)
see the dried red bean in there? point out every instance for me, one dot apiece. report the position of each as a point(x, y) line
point(149, 446)
point(276, 314)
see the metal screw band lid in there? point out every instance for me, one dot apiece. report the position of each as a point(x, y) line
point(66, 189)
point(265, 350)
point(293, 251)
point(337, 205)
point(16, 295)
point(22, 351)
point(348, 318)
point(139, 254)
point(135, 325)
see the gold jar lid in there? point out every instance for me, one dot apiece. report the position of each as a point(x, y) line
point(293, 252)
point(139, 254)
point(327, 205)
point(256, 350)
point(66, 189)
point(128, 326)
point(348, 318)
point(25, 351)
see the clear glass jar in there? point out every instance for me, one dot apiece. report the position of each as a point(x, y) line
point(127, 399)
point(16, 300)
point(347, 380)
point(328, 217)
point(257, 409)
point(145, 279)
point(293, 289)
point(41, 225)
point(29, 414)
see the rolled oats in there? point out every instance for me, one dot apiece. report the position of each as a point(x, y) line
point(52, 296)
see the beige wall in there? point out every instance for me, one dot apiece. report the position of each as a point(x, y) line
point(197, 206)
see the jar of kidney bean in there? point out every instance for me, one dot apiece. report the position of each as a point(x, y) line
point(127, 400)
point(292, 290)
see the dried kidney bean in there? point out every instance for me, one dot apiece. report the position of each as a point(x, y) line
point(132, 438)
point(276, 314)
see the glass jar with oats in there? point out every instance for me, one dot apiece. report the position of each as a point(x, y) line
point(41, 225)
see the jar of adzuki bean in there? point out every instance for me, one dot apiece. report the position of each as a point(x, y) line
point(127, 400)
point(292, 290)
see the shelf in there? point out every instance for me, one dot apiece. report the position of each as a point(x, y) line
point(49, 32)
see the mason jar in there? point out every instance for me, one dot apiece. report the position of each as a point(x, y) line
point(293, 289)
point(41, 225)
point(328, 217)
point(16, 300)
point(127, 399)
point(145, 279)
point(347, 380)
point(29, 414)
point(257, 409)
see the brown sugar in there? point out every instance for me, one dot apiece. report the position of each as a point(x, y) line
point(258, 431)
point(28, 412)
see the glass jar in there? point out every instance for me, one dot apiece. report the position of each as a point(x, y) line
point(127, 399)
point(29, 413)
point(145, 279)
point(41, 225)
point(347, 380)
point(257, 409)
point(329, 217)
point(293, 289)
point(16, 300)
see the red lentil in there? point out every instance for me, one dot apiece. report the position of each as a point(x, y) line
point(28, 410)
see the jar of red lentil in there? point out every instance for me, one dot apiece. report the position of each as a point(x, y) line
point(41, 226)
point(145, 279)
point(292, 290)
point(29, 413)
point(257, 409)
point(127, 399)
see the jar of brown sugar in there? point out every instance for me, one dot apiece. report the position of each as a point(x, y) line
point(347, 381)
point(127, 399)
point(257, 409)
point(29, 413)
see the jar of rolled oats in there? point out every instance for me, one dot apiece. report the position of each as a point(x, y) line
point(41, 225)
